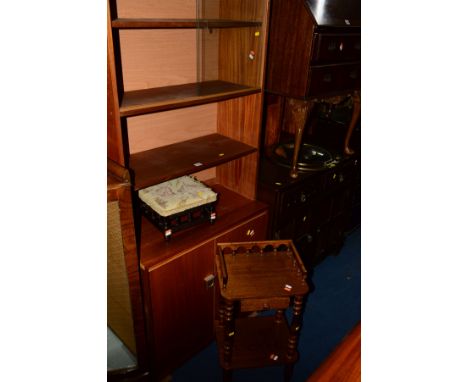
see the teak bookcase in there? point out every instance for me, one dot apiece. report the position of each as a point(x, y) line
point(185, 96)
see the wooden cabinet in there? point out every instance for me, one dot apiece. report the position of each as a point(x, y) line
point(254, 229)
point(320, 54)
point(181, 305)
point(179, 290)
point(185, 97)
point(181, 300)
point(315, 210)
point(313, 62)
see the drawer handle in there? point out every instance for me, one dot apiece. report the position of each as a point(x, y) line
point(250, 232)
point(353, 75)
point(327, 77)
point(303, 197)
point(331, 45)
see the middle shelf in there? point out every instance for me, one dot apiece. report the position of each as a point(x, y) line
point(122, 23)
point(167, 162)
point(139, 102)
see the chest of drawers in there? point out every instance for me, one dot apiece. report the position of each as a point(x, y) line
point(314, 47)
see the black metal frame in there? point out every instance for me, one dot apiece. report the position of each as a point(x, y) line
point(181, 220)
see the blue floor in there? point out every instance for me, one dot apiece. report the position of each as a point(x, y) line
point(331, 311)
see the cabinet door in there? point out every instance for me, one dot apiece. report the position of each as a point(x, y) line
point(252, 230)
point(182, 307)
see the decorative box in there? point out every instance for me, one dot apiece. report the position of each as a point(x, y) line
point(177, 204)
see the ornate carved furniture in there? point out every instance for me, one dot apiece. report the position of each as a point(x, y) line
point(253, 276)
point(313, 61)
point(313, 56)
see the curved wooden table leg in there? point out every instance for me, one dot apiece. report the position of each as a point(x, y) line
point(300, 110)
point(352, 124)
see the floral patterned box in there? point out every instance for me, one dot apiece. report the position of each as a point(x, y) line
point(177, 204)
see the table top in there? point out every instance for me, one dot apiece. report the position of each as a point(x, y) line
point(260, 270)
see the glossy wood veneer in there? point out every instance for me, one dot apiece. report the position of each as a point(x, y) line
point(344, 363)
point(171, 97)
point(232, 209)
point(168, 162)
point(255, 342)
point(125, 23)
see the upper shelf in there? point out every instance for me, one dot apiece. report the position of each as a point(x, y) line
point(127, 23)
point(168, 162)
point(144, 101)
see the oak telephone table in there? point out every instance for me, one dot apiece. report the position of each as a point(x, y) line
point(255, 276)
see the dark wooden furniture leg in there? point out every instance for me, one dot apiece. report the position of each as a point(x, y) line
point(228, 323)
point(352, 124)
point(294, 330)
point(300, 110)
point(251, 341)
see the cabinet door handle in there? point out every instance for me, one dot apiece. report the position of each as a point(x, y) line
point(250, 232)
point(303, 197)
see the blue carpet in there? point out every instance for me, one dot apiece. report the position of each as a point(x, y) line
point(332, 309)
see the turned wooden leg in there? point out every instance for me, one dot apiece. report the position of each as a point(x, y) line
point(352, 124)
point(279, 316)
point(294, 330)
point(228, 330)
point(300, 110)
point(221, 312)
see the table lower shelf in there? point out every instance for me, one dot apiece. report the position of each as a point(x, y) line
point(256, 341)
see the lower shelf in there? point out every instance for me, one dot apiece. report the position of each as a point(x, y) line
point(256, 341)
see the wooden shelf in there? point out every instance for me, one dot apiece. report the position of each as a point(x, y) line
point(139, 102)
point(231, 209)
point(143, 23)
point(168, 162)
point(256, 339)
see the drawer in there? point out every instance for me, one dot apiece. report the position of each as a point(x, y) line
point(341, 175)
point(251, 305)
point(252, 230)
point(335, 178)
point(334, 78)
point(297, 200)
point(336, 48)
